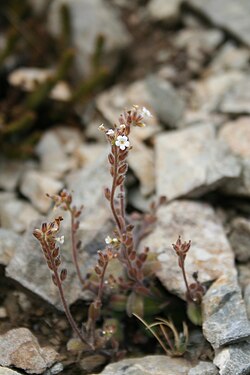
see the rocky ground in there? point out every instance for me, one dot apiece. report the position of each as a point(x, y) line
point(188, 62)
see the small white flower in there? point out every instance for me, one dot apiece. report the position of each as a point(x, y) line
point(110, 240)
point(122, 142)
point(110, 132)
point(102, 128)
point(60, 239)
point(146, 112)
point(122, 126)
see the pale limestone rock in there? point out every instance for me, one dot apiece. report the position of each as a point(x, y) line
point(10, 173)
point(141, 161)
point(234, 359)
point(236, 134)
point(16, 214)
point(167, 11)
point(8, 241)
point(56, 150)
point(237, 99)
point(35, 185)
point(20, 348)
point(157, 365)
point(192, 161)
point(224, 314)
point(210, 253)
point(232, 16)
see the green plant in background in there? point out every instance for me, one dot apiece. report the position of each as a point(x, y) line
point(22, 118)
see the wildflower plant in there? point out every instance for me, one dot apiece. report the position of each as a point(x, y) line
point(121, 245)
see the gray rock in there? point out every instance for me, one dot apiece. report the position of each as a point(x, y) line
point(56, 150)
point(195, 149)
point(246, 296)
point(167, 11)
point(206, 94)
point(234, 359)
point(141, 161)
point(16, 214)
point(165, 100)
point(8, 371)
point(8, 242)
point(204, 368)
point(199, 44)
point(244, 281)
point(237, 99)
point(230, 15)
point(210, 253)
point(230, 57)
point(10, 172)
point(157, 365)
point(89, 19)
point(236, 134)
point(239, 238)
point(224, 314)
point(111, 104)
point(29, 268)
point(35, 185)
point(20, 348)
point(56, 369)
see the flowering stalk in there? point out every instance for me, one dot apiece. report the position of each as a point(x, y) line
point(48, 241)
point(64, 200)
point(120, 147)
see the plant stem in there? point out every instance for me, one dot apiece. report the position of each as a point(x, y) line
point(112, 196)
point(185, 278)
point(63, 300)
point(74, 248)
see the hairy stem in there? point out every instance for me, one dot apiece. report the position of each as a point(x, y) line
point(74, 248)
point(185, 278)
point(112, 196)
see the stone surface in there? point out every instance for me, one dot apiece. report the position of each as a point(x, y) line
point(204, 368)
point(237, 99)
point(141, 161)
point(10, 173)
point(165, 100)
point(199, 44)
point(8, 241)
point(210, 253)
point(91, 18)
point(229, 15)
point(236, 134)
point(195, 149)
point(157, 365)
point(20, 348)
point(234, 359)
point(230, 57)
point(224, 313)
point(167, 11)
point(29, 78)
point(16, 214)
point(239, 238)
point(8, 371)
point(35, 185)
point(28, 266)
point(111, 104)
point(56, 150)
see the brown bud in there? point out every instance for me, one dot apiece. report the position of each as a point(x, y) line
point(63, 274)
point(143, 257)
point(107, 194)
point(98, 271)
point(129, 241)
point(50, 265)
point(138, 263)
point(100, 262)
point(112, 171)
point(132, 255)
point(55, 252)
point(122, 155)
point(54, 279)
point(120, 180)
point(58, 261)
point(38, 234)
point(123, 168)
point(111, 159)
point(44, 227)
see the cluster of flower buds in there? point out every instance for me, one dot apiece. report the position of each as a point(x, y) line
point(195, 290)
point(64, 201)
point(181, 249)
point(49, 244)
